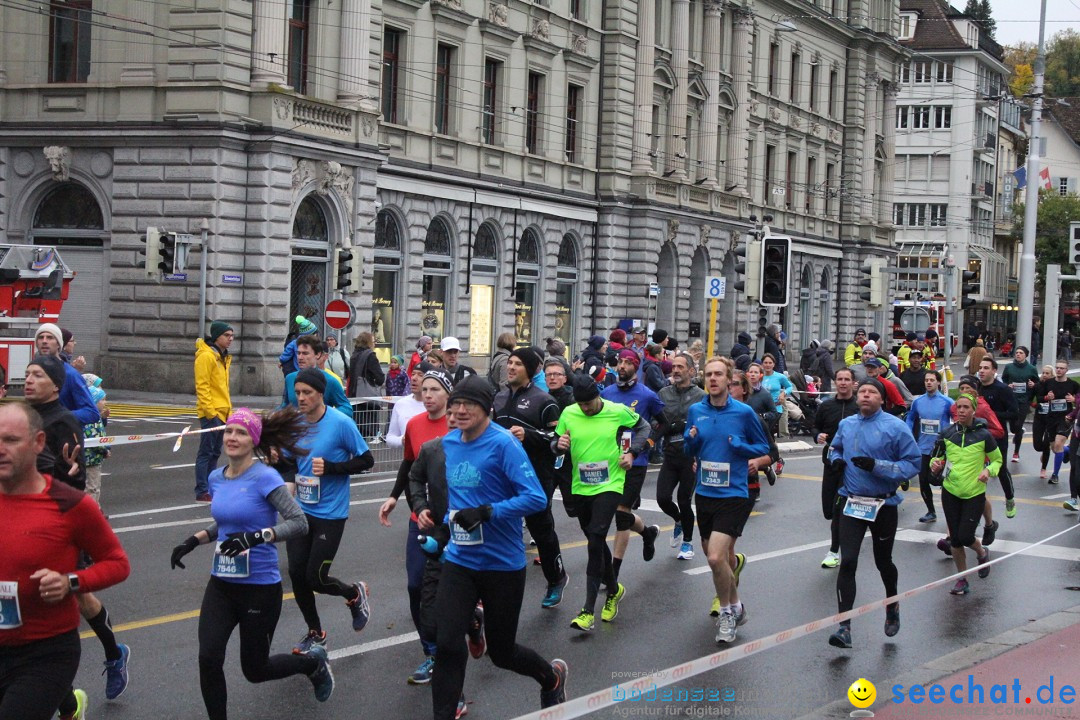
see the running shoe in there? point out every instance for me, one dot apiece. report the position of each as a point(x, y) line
point(686, 552)
point(554, 593)
point(80, 706)
point(990, 533)
point(556, 695)
point(1010, 508)
point(1054, 479)
point(1071, 504)
point(648, 548)
point(984, 571)
point(116, 673)
point(323, 678)
point(676, 535)
point(905, 484)
point(422, 674)
point(537, 561)
point(842, 637)
point(725, 628)
point(770, 475)
point(945, 546)
point(585, 621)
point(779, 467)
point(961, 587)
point(462, 708)
point(928, 517)
point(476, 637)
point(742, 616)
point(204, 497)
point(310, 640)
point(831, 560)
point(359, 607)
point(714, 609)
point(1016, 457)
point(740, 563)
point(611, 605)
point(1042, 474)
point(892, 619)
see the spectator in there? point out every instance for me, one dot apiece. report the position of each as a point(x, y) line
point(423, 347)
point(212, 401)
point(504, 345)
point(287, 359)
point(652, 374)
point(366, 379)
point(975, 356)
point(337, 358)
point(397, 382)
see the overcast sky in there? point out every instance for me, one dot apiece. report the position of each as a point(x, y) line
point(1018, 20)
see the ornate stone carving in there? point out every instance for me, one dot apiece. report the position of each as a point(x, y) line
point(796, 122)
point(59, 159)
point(367, 126)
point(774, 114)
point(714, 7)
point(579, 45)
point(455, 4)
point(834, 136)
point(703, 238)
point(541, 30)
point(335, 178)
point(303, 173)
point(498, 14)
point(814, 127)
point(672, 230)
point(282, 108)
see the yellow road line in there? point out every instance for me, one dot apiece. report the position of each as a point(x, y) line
point(159, 620)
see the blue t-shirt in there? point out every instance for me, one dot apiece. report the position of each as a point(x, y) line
point(490, 470)
point(639, 398)
point(240, 505)
point(333, 395)
point(334, 438)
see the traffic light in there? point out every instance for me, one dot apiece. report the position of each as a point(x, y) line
point(167, 254)
point(762, 321)
point(152, 252)
point(775, 271)
point(1074, 245)
point(967, 288)
point(875, 295)
point(344, 269)
point(748, 268)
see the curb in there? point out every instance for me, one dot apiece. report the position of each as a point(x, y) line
point(930, 672)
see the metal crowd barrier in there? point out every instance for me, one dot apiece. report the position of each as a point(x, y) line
point(373, 419)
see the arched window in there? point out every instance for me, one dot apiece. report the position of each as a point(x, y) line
point(806, 306)
point(310, 266)
point(483, 279)
point(566, 290)
point(527, 276)
point(438, 265)
point(824, 310)
point(667, 282)
point(385, 323)
point(69, 206)
point(699, 310)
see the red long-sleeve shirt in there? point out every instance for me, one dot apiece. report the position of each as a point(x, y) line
point(47, 530)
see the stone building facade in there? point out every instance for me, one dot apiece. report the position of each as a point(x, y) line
point(552, 167)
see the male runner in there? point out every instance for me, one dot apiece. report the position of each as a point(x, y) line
point(1002, 401)
point(678, 468)
point(308, 350)
point(826, 423)
point(930, 415)
point(1021, 376)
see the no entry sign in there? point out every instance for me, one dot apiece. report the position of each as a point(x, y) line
point(339, 314)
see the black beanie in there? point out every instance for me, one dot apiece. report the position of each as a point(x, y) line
point(659, 335)
point(474, 389)
point(876, 384)
point(529, 359)
point(584, 388)
point(53, 367)
point(313, 377)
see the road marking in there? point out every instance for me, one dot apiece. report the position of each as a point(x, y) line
point(157, 510)
point(1056, 497)
point(1051, 552)
point(766, 556)
point(171, 467)
point(208, 520)
point(374, 645)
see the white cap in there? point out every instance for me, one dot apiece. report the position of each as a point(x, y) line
point(449, 343)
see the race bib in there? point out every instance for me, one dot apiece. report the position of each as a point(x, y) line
point(10, 616)
point(863, 508)
point(1044, 408)
point(307, 489)
point(461, 536)
point(929, 427)
point(1059, 405)
point(1019, 388)
point(715, 474)
point(231, 567)
point(594, 473)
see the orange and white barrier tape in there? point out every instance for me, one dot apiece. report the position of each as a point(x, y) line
point(111, 440)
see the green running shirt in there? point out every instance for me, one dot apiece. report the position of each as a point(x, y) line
point(594, 446)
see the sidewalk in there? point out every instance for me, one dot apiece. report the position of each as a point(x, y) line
point(1026, 660)
point(117, 395)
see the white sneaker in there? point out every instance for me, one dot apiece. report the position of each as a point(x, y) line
point(676, 536)
point(831, 560)
point(725, 628)
point(686, 552)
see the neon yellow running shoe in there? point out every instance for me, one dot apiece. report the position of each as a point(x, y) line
point(611, 605)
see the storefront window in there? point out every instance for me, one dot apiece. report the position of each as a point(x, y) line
point(437, 269)
point(310, 263)
point(566, 290)
point(385, 284)
point(527, 275)
point(485, 269)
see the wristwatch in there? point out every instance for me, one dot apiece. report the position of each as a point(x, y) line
point(267, 535)
point(73, 582)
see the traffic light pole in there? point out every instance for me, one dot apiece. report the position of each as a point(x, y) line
point(1052, 307)
point(203, 252)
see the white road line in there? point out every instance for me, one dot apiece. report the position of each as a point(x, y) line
point(374, 645)
point(646, 504)
point(1051, 552)
point(157, 510)
point(171, 467)
point(1055, 497)
point(766, 555)
point(207, 520)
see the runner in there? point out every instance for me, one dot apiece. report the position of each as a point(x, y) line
point(644, 401)
point(407, 407)
point(335, 450)
point(678, 468)
point(1042, 414)
point(1058, 394)
point(245, 584)
point(560, 388)
point(722, 434)
point(308, 350)
point(1021, 376)
point(826, 423)
point(589, 433)
point(39, 622)
point(530, 414)
point(490, 488)
point(876, 452)
point(968, 456)
point(928, 415)
point(1002, 401)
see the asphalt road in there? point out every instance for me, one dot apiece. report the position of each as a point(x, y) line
point(662, 622)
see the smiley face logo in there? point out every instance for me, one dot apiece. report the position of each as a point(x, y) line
point(862, 693)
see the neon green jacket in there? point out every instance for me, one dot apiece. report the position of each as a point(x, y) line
point(967, 450)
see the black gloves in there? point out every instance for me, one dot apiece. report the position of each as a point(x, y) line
point(238, 542)
point(470, 518)
point(838, 465)
point(181, 550)
point(863, 463)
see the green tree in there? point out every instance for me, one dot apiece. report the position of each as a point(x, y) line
point(1052, 233)
point(1063, 64)
point(980, 12)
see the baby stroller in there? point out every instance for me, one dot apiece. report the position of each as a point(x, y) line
point(807, 402)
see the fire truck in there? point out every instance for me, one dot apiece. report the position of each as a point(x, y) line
point(918, 316)
point(34, 283)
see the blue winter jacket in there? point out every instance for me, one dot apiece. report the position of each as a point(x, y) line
point(887, 440)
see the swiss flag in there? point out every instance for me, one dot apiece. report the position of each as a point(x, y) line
point(1044, 178)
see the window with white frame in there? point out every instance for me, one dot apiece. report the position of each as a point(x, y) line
point(920, 118)
point(942, 117)
point(902, 112)
point(1063, 186)
point(938, 214)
